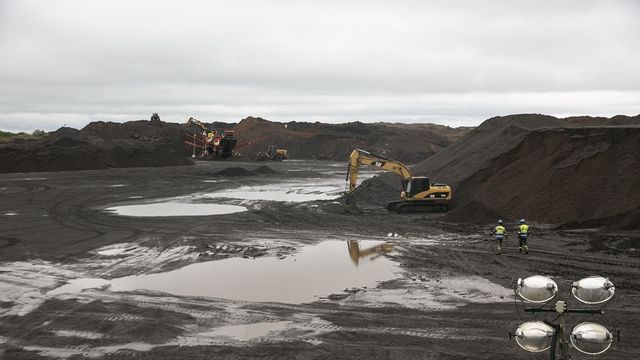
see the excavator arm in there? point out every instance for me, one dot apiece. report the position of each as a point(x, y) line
point(418, 195)
point(361, 157)
point(197, 122)
point(356, 253)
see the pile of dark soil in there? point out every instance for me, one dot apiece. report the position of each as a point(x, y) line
point(578, 171)
point(405, 142)
point(141, 143)
point(238, 171)
point(560, 176)
point(379, 190)
point(99, 145)
point(497, 136)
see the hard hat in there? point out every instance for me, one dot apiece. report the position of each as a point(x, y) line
point(500, 221)
point(522, 221)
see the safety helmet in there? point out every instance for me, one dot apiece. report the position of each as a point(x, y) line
point(522, 221)
point(500, 221)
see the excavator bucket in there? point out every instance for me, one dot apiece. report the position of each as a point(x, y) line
point(350, 204)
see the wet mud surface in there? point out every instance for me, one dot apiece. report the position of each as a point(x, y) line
point(377, 285)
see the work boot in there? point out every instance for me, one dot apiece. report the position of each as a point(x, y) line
point(520, 249)
point(499, 250)
point(526, 249)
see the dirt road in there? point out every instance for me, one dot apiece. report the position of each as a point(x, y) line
point(85, 272)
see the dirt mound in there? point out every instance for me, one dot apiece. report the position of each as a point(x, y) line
point(379, 190)
point(99, 145)
point(618, 120)
point(405, 142)
point(578, 171)
point(466, 156)
point(570, 175)
point(496, 136)
point(264, 170)
point(102, 144)
point(492, 138)
point(238, 171)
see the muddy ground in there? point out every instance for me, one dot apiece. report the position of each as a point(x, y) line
point(449, 296)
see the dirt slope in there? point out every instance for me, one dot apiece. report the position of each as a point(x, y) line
point(99, 145)
point(570, 175)
point(579, 171)
point(462, 158)
point(142, 143)
point(405, 142)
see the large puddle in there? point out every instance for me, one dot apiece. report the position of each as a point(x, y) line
point(315, 271)
point(245, 332)
point(286, 192)
point(175, 208)
point(190, 205)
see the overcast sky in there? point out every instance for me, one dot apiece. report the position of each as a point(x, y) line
point(447, 62)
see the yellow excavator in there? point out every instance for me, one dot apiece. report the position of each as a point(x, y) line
point(200, 124)
point(419, 193)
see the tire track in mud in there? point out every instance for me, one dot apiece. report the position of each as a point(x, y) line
point(239, 313)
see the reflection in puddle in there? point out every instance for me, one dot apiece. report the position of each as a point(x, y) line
point(317, 270)
point(374, 251)
point(174, 208)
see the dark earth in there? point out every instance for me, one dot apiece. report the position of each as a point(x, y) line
point(451, 298)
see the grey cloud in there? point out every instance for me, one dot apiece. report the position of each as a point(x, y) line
point(308, 60)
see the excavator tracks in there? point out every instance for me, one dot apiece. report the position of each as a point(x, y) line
point(407, 206)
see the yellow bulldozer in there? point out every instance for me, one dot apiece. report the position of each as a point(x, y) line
point(272, 153)
point(419, 193)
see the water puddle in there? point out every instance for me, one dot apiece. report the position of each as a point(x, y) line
point(316, 271)
point(79, 334)
point(286, 192)
point(292, 191)
point(117, 249)
point(29, 179)
point(11, 213)
point(246, 332)
point(174, 208)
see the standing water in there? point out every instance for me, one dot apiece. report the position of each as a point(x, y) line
point(317, 270)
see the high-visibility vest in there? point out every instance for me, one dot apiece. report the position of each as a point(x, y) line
point(500, 230)
point(524, 229)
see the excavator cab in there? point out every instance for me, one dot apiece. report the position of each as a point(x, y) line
point(272, 151)
point(417, 185)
